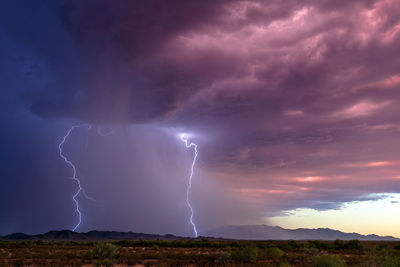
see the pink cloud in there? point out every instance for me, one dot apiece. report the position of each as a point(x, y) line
point(283, 90)
point(309, 179)
point(379, 164)
point(361, 109)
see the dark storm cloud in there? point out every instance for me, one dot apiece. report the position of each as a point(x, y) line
point(124, 75)
point(293, 103)
point(129, 71)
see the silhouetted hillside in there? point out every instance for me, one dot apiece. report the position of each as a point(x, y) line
point(245, 232)
point(265, 232)
point(92, 235)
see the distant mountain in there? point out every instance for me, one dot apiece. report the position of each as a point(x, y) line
point(247, 232)
point(18, 236)
point(265, 232)
point(92, 235)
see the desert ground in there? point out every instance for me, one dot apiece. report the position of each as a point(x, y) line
point(201, 252)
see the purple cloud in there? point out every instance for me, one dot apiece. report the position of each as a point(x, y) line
point(294, 101)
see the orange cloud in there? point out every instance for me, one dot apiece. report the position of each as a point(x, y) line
point(309, 179)
point(362, 109)
point(378, 164)
point(370, 164)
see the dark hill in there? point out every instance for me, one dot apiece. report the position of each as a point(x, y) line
point(245, 232)
point(265, 232)
point(92, 235)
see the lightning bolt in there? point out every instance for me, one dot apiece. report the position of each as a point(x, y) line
point(74, 177)
point(184, 138)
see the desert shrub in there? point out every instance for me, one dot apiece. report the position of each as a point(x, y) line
point(382, 258)
point(397, 246)
point(382, 246)
point(73, 263)
point(339, 244)
point(319, 244)
point(354, 244)
point(285, 246)
point(125, 243)
point(106, 262)
point(72, 243)
point(128, 257)
point(273, 253)
point(18, 263)
point(234, 244)
point(103, 250)
point(245, 254)
point(224, 258)
point(328, 261)
point(389, 261)
point(351, 244)
point(295, 244)
point(182, 243)
point(311, 251)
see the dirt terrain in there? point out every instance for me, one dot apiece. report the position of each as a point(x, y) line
point(199, 253)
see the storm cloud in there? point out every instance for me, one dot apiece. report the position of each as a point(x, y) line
point(293, 104)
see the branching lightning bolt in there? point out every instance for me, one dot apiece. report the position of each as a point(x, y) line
point(74, 177)
point(184, 138)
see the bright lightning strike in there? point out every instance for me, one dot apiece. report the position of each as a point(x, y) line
point(184, 138)
point(76, 179)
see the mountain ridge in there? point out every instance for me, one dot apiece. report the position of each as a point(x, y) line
point(238, 232)
point(91, 235)
point(266, 232)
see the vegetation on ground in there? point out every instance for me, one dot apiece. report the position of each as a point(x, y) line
point(200, 252)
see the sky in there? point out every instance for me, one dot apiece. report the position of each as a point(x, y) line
point(293, 106)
